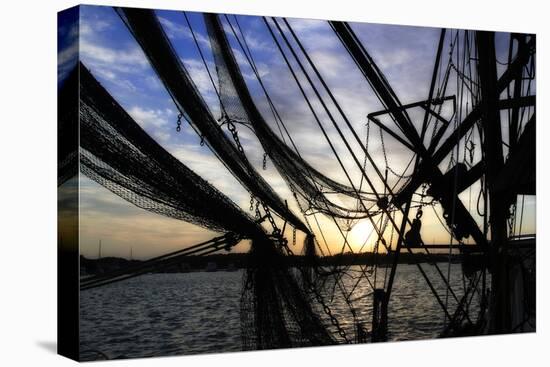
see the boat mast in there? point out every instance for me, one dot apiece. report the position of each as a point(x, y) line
point(498, 203)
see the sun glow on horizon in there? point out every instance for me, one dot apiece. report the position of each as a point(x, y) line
point(361, 237)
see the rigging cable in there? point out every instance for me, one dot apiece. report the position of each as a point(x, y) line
point(346, 143)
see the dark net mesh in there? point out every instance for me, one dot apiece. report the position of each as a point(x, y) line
point(309, 184)
point(119, 155)
point(148, 32)
point(276, 310)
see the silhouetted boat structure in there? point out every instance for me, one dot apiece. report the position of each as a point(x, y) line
point(469, 105)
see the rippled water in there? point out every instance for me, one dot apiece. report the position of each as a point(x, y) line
point(189, 313)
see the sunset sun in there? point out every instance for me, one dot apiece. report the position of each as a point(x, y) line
point(361, 237)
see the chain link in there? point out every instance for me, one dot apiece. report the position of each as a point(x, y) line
point(258, 214)
point(178, 122)
point(386, 159)
point(471, 150)
point(235, 134)
point(326, 309)
point(233, 130)
point(276, 230)
point(463, 77)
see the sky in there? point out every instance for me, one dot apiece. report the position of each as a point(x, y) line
point(404, 54)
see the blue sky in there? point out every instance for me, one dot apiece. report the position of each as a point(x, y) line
point(404, 54)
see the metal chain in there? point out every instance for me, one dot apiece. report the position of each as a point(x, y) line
point(264, 163)
point(178, 126)
point(463, 77)
point(233, 130)
point(276, 230)
point(326, 309)
point(471, 150)
point(258, 214)
point(386, 159)
point(423, 194)
point(178, 122)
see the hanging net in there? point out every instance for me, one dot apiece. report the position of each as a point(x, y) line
point(310, 185)
point(148, 32)
point(118, 154)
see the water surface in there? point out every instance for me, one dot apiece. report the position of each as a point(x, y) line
point(198, 312)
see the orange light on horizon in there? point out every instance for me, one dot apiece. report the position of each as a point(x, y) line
point(361, 237)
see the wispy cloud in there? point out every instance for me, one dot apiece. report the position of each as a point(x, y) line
point(126, 60)
point(149, 118)
point(154, 120)
point(176, 31)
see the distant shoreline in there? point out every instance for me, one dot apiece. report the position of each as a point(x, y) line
point(233, 261)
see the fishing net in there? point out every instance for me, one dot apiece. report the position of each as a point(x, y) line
point(119, 155)
point(148, 32)
point(276, 309)
point(310, 185)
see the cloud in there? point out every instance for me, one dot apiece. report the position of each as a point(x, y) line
point(155, 121)
point(129, 59)
point(311, 32)
point(176, 31)
point(67, 54)
point(154, 83)
point(91, 27)
point(148, 118)
point(248, 37)
point(112, 64)
point(205, 164)
point(199, 74)
point(109, 51)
